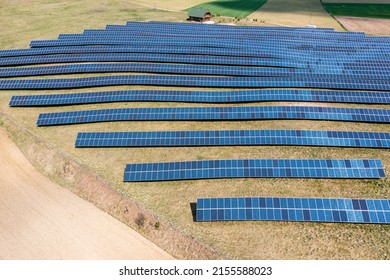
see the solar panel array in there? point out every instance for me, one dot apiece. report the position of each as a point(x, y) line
point(233, 138)
point(196, 81)
point(216, 113)
point(290, 64)
point(201, 96)
point(255, 168)
point(191, 69)
point(335, 210)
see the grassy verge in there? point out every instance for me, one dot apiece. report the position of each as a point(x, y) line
point(359, 10)
point(233, 8)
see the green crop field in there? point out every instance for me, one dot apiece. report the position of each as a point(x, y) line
point(233, 8)
point(358, 10)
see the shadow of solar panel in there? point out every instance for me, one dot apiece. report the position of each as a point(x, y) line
point(255, 168)
point(234, 138)
point(298, 209)
point(216, 113)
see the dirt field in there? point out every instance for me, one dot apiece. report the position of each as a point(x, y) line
point(40, 220)
point(371, 26)
point(295, 13)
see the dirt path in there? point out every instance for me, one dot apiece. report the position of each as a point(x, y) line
point(40, 220)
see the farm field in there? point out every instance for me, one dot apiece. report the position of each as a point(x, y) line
point(359, 10)
point(169, 203)
point(372, 26)
point(295, 13)
point(358, 1)
point(233, 8)
point(369, 25)
point(173, 5)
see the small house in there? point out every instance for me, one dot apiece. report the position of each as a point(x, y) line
point(199, 14)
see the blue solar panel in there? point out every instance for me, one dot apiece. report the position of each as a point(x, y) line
point(197, 81)
point(282, 37)
point(149, 57)
point(255, 168)
point(181, 25)
point(298, 209)
point(372, 53)
point(276, 32)
point(221, 42)
point(233, 138)
point(201, 96)
point(216, 113)
point(189, 69)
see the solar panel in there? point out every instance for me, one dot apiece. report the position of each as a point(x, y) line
point(201, 96)
point(234, 138)
point(182, 25)
point(283, 37)
point(189, 69)
point(197, 81)
point(161, 49)
point(216, 113)
point(221, 42)
point(298, 209)
point(149, 57)
point(231, 31)
point(255, 168)
point(277, 52)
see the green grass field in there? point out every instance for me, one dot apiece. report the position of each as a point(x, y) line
point(359, 10)
point(233, 8)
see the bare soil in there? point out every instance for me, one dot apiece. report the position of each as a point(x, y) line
point(371, 26)
point(41, 220)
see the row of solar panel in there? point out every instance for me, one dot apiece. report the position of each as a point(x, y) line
point(337, 66)
point(219, 28)
point(344, 210)
point(234, 31)
point(233, 138)
point(152, 27)
point(255, 168)
point(197, 81)
point(167, 25)
point(189, 69)
point(150, 57)
point(268, 37)
point(309, 55)
point(238, 43)
point(201, 96)
point(275, 52)
point(285, 38)
point(216, 113)
point(267, 43)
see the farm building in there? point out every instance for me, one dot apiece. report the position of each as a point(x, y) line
point(199, 14)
